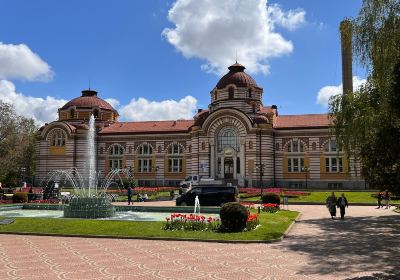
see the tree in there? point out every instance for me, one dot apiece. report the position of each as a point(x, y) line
point(367, 122)
point(17, 145)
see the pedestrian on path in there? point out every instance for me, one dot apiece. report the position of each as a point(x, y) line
point(331, 204)
point(386, 197)
point(129, 193)
point(379, 197)
point(342, 204)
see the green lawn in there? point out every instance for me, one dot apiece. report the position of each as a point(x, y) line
point(272, 226)
point(352, 197)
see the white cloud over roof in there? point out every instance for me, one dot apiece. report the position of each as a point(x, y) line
point(327, 92)
point(42, 110)
point(216, 30)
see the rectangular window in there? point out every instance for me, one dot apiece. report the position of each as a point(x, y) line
point(296, 164)
point(175, 165)
point(334, 164)
point(144, 165)
point(115, 164)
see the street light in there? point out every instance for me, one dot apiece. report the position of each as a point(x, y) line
point(261, 168)
point(305, 170)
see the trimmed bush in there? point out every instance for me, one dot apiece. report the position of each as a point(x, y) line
point(271, 198)
point(20, 197)
point(233, 217)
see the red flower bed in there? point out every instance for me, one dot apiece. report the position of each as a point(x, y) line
point(270, 207)
point(194, 222)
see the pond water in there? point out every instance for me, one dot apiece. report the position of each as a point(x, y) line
point(120, 216)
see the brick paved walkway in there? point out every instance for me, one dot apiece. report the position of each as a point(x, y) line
point(317, 248)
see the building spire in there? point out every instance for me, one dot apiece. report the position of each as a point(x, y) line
point(236, 56)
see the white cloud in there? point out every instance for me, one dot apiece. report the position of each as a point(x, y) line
point(42, 110)
point(142, 109)
point(45, 110)
point(215, 30)
point(327, 92)
point(113, 102)
point(291, 20)
point(19, 62)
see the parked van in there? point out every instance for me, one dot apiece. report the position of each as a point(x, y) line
point(209, 196)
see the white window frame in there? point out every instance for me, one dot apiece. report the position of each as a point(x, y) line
point(333, 164)
point(58, 138)
point(292, 167)
point(145, 165)
point(295, 146)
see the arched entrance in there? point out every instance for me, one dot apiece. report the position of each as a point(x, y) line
point(228, 153)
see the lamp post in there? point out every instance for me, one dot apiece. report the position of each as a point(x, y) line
point(260, 167)
point(305, 170)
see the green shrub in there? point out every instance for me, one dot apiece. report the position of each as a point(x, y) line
point(20, 197)
point(271, 198)
point(233, 217)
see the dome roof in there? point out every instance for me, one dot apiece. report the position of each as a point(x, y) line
point(88, 99)
point(236, 76)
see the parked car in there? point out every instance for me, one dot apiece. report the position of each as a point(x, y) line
point(209, 196)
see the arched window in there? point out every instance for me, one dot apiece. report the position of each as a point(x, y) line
point(254, 108)
point(145, 149)
point(72, 114)
point(314, 146)
point(333, 157)
point(231, 93)
point(295, 160)
point(145, 162)
point(57, 138)
point(215, 96)
point(250, 93)
point(96, 113)
point(295, 146)
point(175, 158)
point(228, 137)
point(250, 145)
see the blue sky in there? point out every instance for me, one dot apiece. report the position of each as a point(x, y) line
point(125, 50)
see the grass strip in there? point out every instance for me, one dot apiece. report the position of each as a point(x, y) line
point(272, 227)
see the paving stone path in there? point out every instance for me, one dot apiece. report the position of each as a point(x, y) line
point(366, 245)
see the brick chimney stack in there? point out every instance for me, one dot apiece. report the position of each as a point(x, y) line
point(347, 56)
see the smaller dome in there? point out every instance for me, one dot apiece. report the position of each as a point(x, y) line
point(88, 99)
point(236, 76)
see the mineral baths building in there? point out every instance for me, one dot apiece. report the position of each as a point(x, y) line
point(236, 139)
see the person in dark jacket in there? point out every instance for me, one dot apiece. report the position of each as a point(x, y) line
point(331, 204)
point(129, 193)
point(379, 197)
point(342, 204)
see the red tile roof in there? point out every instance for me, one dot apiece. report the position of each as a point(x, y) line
point(302, 121)
point(149, 127)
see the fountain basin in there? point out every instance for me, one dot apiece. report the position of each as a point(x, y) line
point(89, 208)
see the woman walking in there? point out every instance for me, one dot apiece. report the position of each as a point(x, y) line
point(342, 204)
point(331, 204)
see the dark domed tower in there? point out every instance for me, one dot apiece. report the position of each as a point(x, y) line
point(81, 108)
point(237, 90)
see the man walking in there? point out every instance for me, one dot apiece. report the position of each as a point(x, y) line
point(129, 193)
point(342, 204)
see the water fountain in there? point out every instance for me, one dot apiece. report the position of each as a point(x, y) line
point(196, 206)
point(90, 200)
